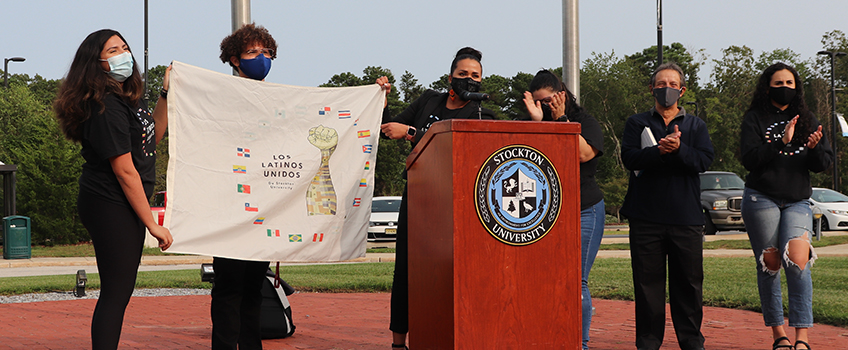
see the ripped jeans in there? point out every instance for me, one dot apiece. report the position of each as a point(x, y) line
point(771, 224)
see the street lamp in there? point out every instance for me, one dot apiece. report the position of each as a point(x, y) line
point(6, 68)
point(834, 122)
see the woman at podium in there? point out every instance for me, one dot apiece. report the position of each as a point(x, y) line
point(461, 102)
point(550, 100)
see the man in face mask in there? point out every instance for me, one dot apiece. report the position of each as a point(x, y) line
point(237, 291)
point(664, 211)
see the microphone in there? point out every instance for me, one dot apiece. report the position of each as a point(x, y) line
point(473, 96)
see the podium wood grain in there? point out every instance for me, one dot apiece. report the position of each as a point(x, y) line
point(468, 290)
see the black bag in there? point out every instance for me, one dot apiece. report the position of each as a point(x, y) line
point(276, 315)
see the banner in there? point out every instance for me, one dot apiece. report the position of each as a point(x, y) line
point(262, 171)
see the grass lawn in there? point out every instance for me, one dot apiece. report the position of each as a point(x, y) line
point(728, 282)
point(738, 243)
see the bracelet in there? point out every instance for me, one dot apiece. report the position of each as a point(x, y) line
point(163, 93)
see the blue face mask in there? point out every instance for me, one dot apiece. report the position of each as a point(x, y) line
point(256, 68)
point(120, 66)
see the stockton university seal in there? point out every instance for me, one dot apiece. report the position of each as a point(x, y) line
point(518, 195)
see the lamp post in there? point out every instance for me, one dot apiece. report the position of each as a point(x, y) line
point(6, 68)
point(834, 121)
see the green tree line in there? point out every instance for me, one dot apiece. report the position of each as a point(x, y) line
point(612, 88)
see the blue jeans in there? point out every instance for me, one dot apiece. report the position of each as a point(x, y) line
point(771, 223)
point(591, 232)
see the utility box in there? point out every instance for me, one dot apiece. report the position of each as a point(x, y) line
point(17, 237)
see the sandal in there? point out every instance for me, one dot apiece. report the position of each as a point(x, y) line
point(803, 342)
point(403, 346)
point(776, 345)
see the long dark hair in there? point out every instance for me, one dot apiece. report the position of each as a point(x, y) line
point(86, 82)
point(761, 102)
point(546, 79)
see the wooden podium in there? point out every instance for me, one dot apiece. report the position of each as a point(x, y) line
point(469, 288)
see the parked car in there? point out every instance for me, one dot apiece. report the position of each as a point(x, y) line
point(721, 198)
point(160, 200)
point(834, 208)
point(384, 218)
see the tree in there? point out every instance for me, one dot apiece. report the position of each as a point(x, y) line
point(409, 87)
point(689, 62)
point(391, 154)
point(48, 164)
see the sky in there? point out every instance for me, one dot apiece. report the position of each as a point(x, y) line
point(320, 38)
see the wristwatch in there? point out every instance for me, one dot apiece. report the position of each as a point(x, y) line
point(411, 131)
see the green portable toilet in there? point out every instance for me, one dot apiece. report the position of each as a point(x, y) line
point(16, 237)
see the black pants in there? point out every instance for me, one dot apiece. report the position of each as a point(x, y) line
point(650, 245)
point(236, 303)
point(399, 322)
point(118, 238)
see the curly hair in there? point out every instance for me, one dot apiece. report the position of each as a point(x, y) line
point(761, 101)
point(249, 34)
point(86, 83)
point(546, 79)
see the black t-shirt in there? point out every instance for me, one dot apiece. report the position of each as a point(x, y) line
point(118, 130)
point(590, 129)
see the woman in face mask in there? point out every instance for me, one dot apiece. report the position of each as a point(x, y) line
point(466, 75)
point(100, 106)
point(781, 144)
point(548, 100)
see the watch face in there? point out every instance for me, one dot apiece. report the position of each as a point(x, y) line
point(410, 131)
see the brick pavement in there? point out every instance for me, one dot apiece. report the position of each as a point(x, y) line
point(335, 321)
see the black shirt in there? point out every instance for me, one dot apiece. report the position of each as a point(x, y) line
point(590, 129)
point(667, 190)
point(777, 169)
point(118, 130)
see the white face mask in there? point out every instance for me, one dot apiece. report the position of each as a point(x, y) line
point(120, 66)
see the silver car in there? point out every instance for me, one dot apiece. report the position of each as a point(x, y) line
point(721, 198)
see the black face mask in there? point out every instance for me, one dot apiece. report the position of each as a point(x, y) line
point(464, 84)
point(782, 95)
point(666, 96)
point(547, 113)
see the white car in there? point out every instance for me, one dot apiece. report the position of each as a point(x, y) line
point(384, 218)
point(834, 207)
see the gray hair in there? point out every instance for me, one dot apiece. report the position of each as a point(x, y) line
point(670, 65)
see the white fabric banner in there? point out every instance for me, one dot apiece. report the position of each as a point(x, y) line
point(262, 171)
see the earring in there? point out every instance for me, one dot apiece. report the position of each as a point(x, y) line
point(452, 95)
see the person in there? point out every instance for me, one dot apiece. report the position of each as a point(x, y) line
point(781, 142)
point(549, 99)
point(237, 288)
point(663, 207)
point(466, 74)
point(100, 105)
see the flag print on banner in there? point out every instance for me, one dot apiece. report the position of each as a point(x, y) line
point(306, 170)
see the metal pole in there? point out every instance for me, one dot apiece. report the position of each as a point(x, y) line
point(571, 47)
point(6, 73)
point(146, 84)
point(241, 16)
point(659, 34)
point(834, 121)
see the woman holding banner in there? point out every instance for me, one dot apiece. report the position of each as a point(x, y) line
point(100, 106)
point(466, 76)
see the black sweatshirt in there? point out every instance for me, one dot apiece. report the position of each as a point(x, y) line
point(667, 190)
point(780, 170)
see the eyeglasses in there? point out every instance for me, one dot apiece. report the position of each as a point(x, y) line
point(546, 100)
point(255, 52)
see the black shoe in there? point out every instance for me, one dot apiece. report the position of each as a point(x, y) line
point(777, 346)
